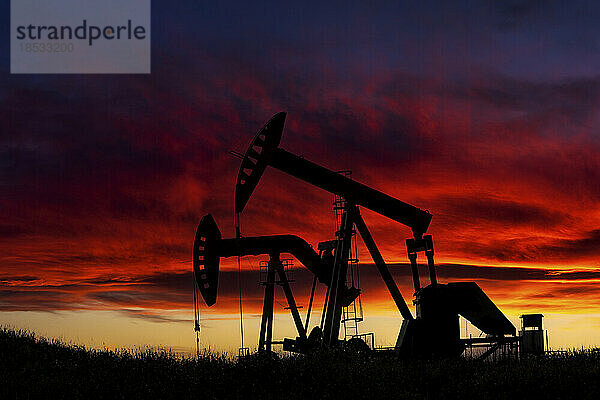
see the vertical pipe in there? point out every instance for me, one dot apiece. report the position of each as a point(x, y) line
point(266, 324)
point(263, 325)
point(334, 304)
point(269, 339)
point(431, 265)
point(428, 242)
point(415, 272)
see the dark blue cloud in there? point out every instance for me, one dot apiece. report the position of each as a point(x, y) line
point(81, 154)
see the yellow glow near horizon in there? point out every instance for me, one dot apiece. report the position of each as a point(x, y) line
point(221, 332)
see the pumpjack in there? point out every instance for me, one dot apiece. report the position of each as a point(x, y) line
point(209, 248)
point(433, 332)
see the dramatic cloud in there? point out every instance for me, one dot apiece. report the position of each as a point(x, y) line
point(155, 296)
point(463, 111)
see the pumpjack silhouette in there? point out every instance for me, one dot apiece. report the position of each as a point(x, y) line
point(433, 332)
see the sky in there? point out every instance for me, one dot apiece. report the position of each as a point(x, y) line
point(484, 113)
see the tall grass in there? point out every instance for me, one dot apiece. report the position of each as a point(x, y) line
point(32, 367)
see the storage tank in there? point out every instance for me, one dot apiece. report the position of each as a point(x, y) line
point(532, 334)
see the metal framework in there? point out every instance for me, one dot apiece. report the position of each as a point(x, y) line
point(435, 330)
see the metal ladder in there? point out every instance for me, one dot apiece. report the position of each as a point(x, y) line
point(353, 313)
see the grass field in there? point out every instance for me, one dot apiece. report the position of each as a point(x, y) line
point(32, 367)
